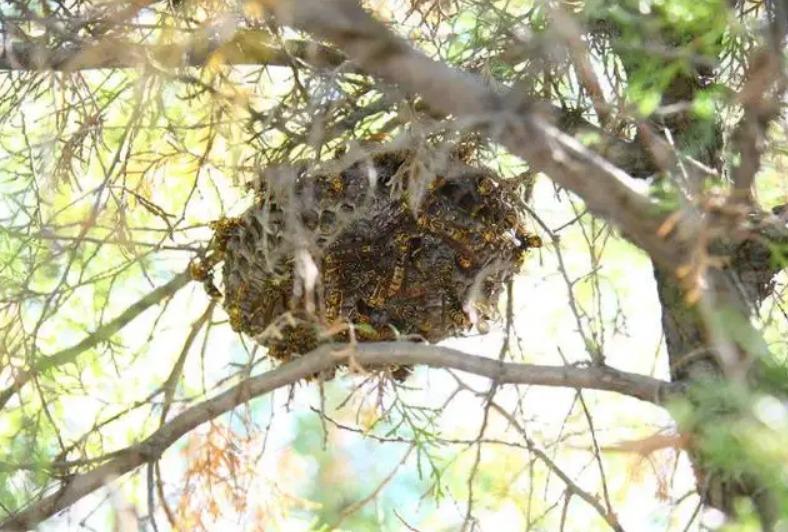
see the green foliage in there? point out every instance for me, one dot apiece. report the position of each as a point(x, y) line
point(28, 445)
point(109, 179)
point(741, 433)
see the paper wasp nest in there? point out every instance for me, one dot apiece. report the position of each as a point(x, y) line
point(318, 252)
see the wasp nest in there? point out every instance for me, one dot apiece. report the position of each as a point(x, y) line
point(320, 255)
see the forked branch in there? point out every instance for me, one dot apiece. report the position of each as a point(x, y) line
point(522, 126)
point(371, 355)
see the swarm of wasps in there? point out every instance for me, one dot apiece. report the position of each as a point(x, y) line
point(333, 256)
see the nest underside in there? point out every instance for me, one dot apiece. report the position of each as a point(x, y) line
point(385, 247)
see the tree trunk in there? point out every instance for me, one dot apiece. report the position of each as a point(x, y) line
point(737, 290)
point(738, 287)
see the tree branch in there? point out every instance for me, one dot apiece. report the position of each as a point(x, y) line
point(326, 357)
point(759, 97)
point(255, 48)
point(522, 126)
point(246, 47)
point(102, 334)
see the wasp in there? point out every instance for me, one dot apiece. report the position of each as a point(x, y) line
point(378, 296)
point(202, 271)
point(532, 241)
point(336, 184)
point(437, 226)
point(199, 270)
point(333, 302)
point(330, 266)
point(236, 318)
point(454, 313)
point(242, 291)
point(486, 186)
point(458, 317)
point(402, 241)
point(222, 227)
point(464, 261)
point(489, 235)
point(437, 183)
point(397, 278)
point(457, 234)
point(443, 229)
point(444, 271)
point(211, 289)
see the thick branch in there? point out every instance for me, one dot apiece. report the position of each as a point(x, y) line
point(102, 334)
point(246, 47)
point(324, 358)
point(254, 48)
point(521, 126)
point(760, 99)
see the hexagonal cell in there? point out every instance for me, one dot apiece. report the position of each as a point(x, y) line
point(319, 252)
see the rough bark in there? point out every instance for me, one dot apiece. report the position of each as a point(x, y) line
point(694, 359)
point(737, 288)
point(693, 352)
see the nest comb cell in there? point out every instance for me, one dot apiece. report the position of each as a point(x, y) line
point(316, 251)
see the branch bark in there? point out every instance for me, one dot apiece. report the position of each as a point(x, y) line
point(258, 48)
point(522, 126)
point(102, 334)
point(760, 96)
point(326, 357)
point(246, 47)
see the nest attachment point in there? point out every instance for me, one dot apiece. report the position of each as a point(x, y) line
point(384, 247)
